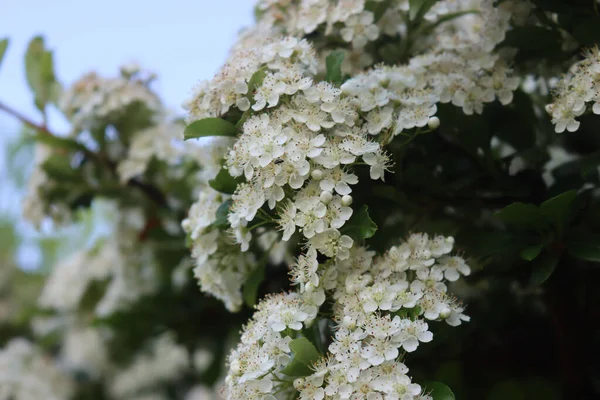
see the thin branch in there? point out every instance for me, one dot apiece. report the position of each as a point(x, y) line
point(11, 111)
point(152, 192)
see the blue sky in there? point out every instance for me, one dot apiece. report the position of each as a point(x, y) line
point(183, 41)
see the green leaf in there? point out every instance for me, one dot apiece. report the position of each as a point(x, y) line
point(59, 168)
point(304, 354)
point(448, 17)
point(543, 267)
point(221, 214)
point(209, 127)
point(256, 80)
point(531, 252)
point(224, 182)
point(250, 290)
point(523, 216)
point(418, 8)
point(3, 47)
point(360, 226)
point(585, 247)
point(556, 209)
point(378, 8)
point(533, 42)
point(59, 142)
point(39, 70)
point(506, 390)
point(439, 391)
point(334, 67)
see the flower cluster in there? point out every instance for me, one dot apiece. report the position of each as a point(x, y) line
point(303, 138)
point(575, 91)
point(94, 100)
point(164, 361)
point(382, 307)
point(27, 374)
point(130, 273)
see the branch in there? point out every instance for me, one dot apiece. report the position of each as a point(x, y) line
point(152, 192)
point(24, 119)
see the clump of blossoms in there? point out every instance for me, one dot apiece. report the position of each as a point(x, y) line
point(123, 162)
point(574, 93)
point(382, 307)
point(163, 362)
point(26, 373)
point(301, 138)
point(303, 132)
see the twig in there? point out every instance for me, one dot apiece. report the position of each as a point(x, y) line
point(42, 128)
point(153, 193)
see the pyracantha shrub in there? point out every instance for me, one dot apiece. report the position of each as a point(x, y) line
point(352, 173)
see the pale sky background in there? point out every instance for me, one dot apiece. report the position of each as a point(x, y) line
point(183, 41)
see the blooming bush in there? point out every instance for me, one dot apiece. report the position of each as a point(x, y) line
point(352, 174)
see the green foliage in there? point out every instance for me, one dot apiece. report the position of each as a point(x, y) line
point(3, 47)
point(209, 127)
point(222, 211)
point(360, 226)
point(334, 67)
point(418, 8)
point(585, 247)
point(304, 355)
point(224, 182)
point(250, 289)
point(439, 391)
point(39, 70)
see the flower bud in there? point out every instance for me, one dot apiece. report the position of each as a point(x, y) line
point(317, 174)
point(326, 197)
point(445, 313)
point(433, 123)
point(346, 200)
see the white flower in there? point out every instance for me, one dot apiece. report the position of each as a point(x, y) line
point(338, 180)
point(304, 272)
point(287, 221)
point(332, 243)
point(411, 333)
point(379, 162)
point(360, 29)
point(379, 350)
point(453, 267)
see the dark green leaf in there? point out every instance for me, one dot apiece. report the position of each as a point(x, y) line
point(449, 17)
point(224, 182)
point(59, 142)
point(304, 354)
point(531, 252)
point(59, 168)
point(506, 390)
point(209, 127)
point(334, 67)
point(3, 47)
point(542, 267)
point(250, 290)
point(523, 216)
point(221, 214)
point(585, 247)
point(360, 226)
point(533, 42)
point(439, 391)
point(556, 209)
point(587, 31)
point(418, 8)
point(378, 8)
